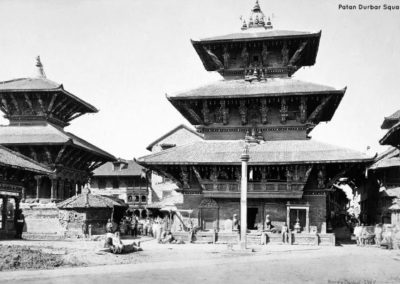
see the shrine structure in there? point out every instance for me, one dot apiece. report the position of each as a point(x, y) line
point(258, 103)
point(38, 110)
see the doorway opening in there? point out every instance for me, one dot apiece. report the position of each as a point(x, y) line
point(251, 218)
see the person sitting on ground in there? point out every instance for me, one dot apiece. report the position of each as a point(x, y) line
point(108, 243)
point(118, 247)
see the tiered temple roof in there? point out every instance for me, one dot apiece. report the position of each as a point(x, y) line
point(38, 110)
point(15, 160)
point(268, 153)
point(119, 168)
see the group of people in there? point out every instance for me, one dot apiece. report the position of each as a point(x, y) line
point(369, 235)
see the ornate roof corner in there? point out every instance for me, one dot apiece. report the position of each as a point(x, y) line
point(40, 69)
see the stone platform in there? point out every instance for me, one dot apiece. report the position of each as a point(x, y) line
point(256, 238)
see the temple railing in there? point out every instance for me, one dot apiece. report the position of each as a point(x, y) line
point(255, 189)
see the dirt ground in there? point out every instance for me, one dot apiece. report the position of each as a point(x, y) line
point(196, 263)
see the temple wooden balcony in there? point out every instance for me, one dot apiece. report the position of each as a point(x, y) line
point(269, 189)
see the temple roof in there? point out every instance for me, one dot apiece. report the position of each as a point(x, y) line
point(392, 137)
point(127, 168)
point(387, 159)
point(92, 201)
point(270, 88)
point(16, 160)
point(270, 152)
point(40, 84)
point(391, 120)
point(169, 133)
point(258, 35)
point(46, 134)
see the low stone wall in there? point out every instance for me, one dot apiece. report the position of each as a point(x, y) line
point(42, 220)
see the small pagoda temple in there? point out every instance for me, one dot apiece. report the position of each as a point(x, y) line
point(38, 110)
point(258, 103)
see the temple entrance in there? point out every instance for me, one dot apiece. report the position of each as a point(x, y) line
point(251, 218)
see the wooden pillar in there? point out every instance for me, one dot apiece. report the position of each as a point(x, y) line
point(23, 194)
point(288, 215)
point(308, 219)
point(53, 189)
point(243, 198)
point(4, 214)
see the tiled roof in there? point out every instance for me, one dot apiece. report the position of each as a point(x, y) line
point(241, 88)
point(45, 134)
point(395, 206)
point(392, 137)
point(129, 169)
point(270, 152)
point(29, 84)
point(94, 201)
point(40, 84)
point(170, 200)
point(250, 35)
point(391, 120)
point(13, 159)
point(169, 133)
point(387, 159)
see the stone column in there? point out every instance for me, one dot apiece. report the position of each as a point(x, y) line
point(38, 179)
point(308, 219)
point(243, 198)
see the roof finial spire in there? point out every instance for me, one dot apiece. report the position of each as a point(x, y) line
point(256, 19)
point(40, 69)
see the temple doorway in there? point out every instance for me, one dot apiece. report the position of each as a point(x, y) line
point(251, 218)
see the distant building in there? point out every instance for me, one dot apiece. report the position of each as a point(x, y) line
point(125, 180)
point(38, 110)
point(164, 189)
point(380, 198)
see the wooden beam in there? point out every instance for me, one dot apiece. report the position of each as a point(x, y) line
point(4, 104)
point(28, 102)
point(297, 54)
point(33, 154)
point(48, 154)
point(15, 103)
point(75, 116)
point(53, 99)
point(40, 101)
point(192, 113)
point(59, 104)
point(198, 177)
point(318, 110)
point(60, 154)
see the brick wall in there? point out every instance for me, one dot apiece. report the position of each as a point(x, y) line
point(317, 209)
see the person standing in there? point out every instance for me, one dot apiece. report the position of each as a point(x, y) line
point(19, 223)
point(134, 225)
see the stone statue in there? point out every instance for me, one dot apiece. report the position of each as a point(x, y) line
point(235, 223)
point(268, 223)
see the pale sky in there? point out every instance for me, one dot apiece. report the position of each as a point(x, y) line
point(124, 56)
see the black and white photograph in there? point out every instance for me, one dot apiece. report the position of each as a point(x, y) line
point(200, 141)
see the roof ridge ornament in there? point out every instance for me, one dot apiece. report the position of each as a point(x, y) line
point(256, 19)
point(40, 68)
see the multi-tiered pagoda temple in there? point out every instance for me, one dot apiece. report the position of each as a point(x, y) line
point(38, 110)
point(258, 102)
